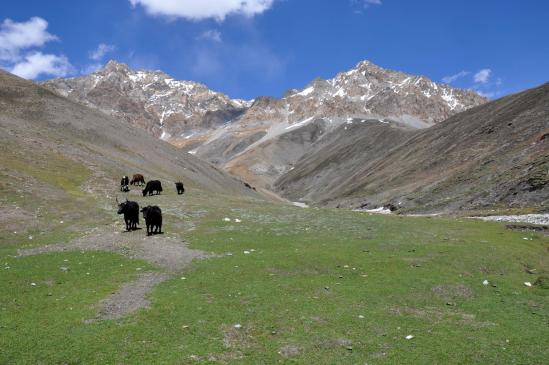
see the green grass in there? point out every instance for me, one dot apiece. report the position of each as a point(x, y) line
point(311, 277)
point(298, 287)
point(42, 307)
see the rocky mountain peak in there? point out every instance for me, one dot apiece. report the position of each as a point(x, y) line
point(113, 66)
point(366, 65)
point(150, 99)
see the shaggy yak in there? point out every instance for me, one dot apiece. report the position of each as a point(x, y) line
point(152, 186)
point(137, 179)
point(124, 184)
point(153, 219)
point(180, 188)
point(131, 213)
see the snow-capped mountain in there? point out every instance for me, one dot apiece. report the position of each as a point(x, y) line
point(151, 99)
point(260, 140)
point(268, 138)
point(368, 90)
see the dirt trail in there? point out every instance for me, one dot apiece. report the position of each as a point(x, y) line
point(130, 297)
point(167, 253)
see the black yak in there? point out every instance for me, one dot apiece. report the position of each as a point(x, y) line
point(153, 219)
point(137, 179)
point(131, 213)
point(152, 186)
point(249, 186)
point(124, 182)
point(180, 188)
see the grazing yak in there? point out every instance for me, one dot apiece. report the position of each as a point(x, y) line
point(124, 182)
point(249, 186)
point(131, 213)
point(180, 188)
point(153, 219)
point(152, 186)
point(137, 179)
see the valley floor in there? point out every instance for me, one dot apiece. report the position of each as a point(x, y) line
point(268, 284)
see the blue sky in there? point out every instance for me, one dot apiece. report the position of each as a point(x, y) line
point(265, 47)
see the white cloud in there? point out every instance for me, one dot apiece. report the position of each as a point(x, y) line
point(102, 50)
point(487, 94)
point(91, 68)
point(18, 50)
point(488, 86)
point(199, 10)
point(483, 82)
point(483, 76)
point(212, 35)
point(37, 64)
point(366, 3)
point(15, 37)
point(452, 78)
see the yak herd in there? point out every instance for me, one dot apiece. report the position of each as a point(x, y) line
point(151, 214)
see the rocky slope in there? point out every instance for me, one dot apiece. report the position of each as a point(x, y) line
point(494, 154)
point(272, 134)
point(260, 141)
point(43, 134)
point(154, 101)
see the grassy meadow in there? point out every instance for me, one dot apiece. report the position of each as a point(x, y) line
point(281, 285)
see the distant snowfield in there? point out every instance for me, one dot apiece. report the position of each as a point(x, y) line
point(526, 218)
point(379, 210)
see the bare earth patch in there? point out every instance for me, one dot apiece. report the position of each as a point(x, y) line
point(234, 338)
point(168, 254)
point(434, 314)
point(451, 292)
point(15, 218)
point(289, 351)
point(332, 343)
point(130, 297)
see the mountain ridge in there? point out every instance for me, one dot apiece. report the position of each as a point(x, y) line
point(261, 140)
point(162, 98)
point(496, 153)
